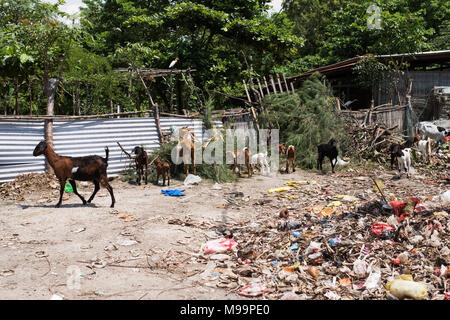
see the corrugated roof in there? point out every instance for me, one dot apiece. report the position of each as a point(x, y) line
point(345, 65)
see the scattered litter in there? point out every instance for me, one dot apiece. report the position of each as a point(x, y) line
point(126, 242)
point(128, 217)
point(173, 192)
point(219, 245)
point(252, 290)
point(192, 179)
point(56, 297)
point(405, 287)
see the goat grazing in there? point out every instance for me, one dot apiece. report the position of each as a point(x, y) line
point(327, 150)
point(430, 130)
point(290, 155)
point(162, 169)
point(88, 168)
point(187, 142)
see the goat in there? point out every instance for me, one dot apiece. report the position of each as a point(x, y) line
point(327, 150)
point(162, 169)
point(430, 130)
point(237, 158)
point(424, 147)
point(290, 155)
point(410, 142)
point(88, 168)
point(141, 160)
point(186, 142)
point(261, 160)
point(404, 161)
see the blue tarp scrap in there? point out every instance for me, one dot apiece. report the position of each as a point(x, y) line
point(173, 192)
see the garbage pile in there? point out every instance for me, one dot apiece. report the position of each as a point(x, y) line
point(27, 184)
point(313, 241)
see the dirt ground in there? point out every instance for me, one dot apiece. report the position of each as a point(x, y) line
point(95, 252)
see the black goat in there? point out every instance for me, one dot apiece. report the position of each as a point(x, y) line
point(89, 168)
point(141, 161)
point(327, 150)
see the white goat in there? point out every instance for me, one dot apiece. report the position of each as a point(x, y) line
point(404, 161)
point(424, 147)
point(430, 130)
point(261, 160)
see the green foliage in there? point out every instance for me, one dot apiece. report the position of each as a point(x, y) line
point(306, 119)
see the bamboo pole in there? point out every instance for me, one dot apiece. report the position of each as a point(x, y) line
point(285, 83)
point(246, 91)
point(267, 86)
point(260, 88)
point(279, 82)
point(273, 84)
point(292, 87)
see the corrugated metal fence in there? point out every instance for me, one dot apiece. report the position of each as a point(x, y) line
point(80, 138)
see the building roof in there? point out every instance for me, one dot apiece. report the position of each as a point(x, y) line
point(415, 59)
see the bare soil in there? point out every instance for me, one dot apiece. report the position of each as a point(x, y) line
point(149, 245)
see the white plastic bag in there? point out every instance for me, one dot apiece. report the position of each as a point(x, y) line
point(360, 267)
point(192, 179)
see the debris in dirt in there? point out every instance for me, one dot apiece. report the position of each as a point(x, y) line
point(405, 287)
point(252, 290)
point(126, 242)
point(284, 213)
point(173, 192)
point(128, 217)
point(78, 229)
point(28, 183)
point(56, 297)
point(192, 179)
point(219, 245)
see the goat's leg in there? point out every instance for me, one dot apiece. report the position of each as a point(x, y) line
point(74, 187)
point(62, 184)
point(319, 162)
point(139, 174)
point(105, 184)
point(157, 176)
point(333, 164)
point(293, 164)
point(146, 171)
point(168, 178)
point(96, 188)
point(287, 165)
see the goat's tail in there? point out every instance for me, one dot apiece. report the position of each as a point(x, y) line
point(107, 153)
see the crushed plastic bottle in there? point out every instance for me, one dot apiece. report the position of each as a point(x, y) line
point(405, 287)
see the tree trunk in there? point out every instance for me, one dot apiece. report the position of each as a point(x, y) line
point(50, 88)
point(31, 97)
point(180, 95)
point(77, 97)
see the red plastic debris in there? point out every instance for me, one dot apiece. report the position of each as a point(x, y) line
point(379, 227)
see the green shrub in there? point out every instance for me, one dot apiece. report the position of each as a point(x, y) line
point(306, 119)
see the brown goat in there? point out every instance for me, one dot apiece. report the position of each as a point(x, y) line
point(89, 168)
point(163, 169)
point(186, 141)
point(141, 160)
point(239, 155)
point(290, 155)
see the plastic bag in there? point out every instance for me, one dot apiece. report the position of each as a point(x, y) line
point(252, 290)
point(405, 287)
point(192, 179)
point(379, 227)
point(374, 280)
point(445, 197)
point(219, 245)
point(360, 267)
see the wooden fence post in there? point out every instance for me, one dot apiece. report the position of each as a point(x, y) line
point(279, 82)
point(285, 83)
point(246, 91)
point(273, 84)
point(267, 86)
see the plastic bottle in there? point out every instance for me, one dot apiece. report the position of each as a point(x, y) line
point(401, 288)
